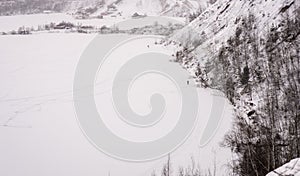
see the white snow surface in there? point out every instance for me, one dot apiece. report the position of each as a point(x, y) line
point(290, 168)
point(38, 128)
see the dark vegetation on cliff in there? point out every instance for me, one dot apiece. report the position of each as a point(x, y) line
point(259, 73)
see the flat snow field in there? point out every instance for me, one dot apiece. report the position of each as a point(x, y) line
point(39, 133)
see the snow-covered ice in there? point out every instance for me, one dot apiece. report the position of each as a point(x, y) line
point(38, 129)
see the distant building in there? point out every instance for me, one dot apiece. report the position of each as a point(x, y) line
point(64, 25)
point(105, 30)
point(136, 16)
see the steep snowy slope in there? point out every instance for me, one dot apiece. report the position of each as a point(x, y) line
point(250, 51)
point(291, 168)
point(209, 32)
point(218, 22)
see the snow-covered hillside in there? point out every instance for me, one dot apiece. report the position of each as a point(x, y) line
point(13, 7)
point(250, 51)
point(219, 22)
point(290, 168)
point(106, 7)
point(217, 26)
point(154, 7)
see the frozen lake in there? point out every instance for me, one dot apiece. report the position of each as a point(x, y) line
point(39, 132)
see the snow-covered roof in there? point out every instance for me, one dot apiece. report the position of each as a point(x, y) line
point(288, 169)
